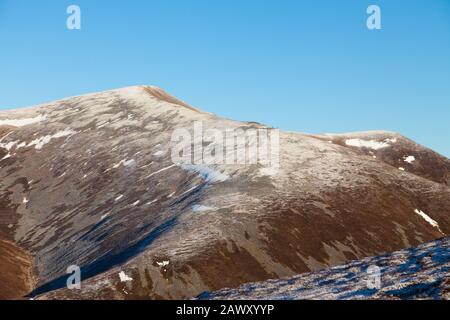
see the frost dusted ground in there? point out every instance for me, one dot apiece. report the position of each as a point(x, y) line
point(422, 272)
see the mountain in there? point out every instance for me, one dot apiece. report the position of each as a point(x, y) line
point(416, 273)
point(91, 181)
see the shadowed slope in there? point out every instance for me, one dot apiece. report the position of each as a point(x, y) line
point(16, 271)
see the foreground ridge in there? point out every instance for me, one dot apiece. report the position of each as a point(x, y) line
point(416, 273)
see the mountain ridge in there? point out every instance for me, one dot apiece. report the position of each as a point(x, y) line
point(92, 184)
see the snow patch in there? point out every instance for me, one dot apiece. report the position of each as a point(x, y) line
point(136, 203)
point(151, 202)
point(409, 159)
point(393, 140)
point(21, 122)
point(124, 278)
point(6, 157)
point(39, 143)
point(200, 208)
point(428, 219)
point(8, 146)
point(401, 169)
point(208, 174)
point(103, 217)
point(370, 144)
point(171, 195)
point(163, 263)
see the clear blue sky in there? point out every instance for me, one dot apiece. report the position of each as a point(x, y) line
point(303, 65)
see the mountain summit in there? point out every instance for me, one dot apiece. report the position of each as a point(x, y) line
point(91, 181)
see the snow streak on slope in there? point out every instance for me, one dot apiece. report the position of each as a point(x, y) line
point(21, 122)
point(371, 144)
point(427, 219)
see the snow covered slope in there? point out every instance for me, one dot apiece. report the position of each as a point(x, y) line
point(89, 181)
